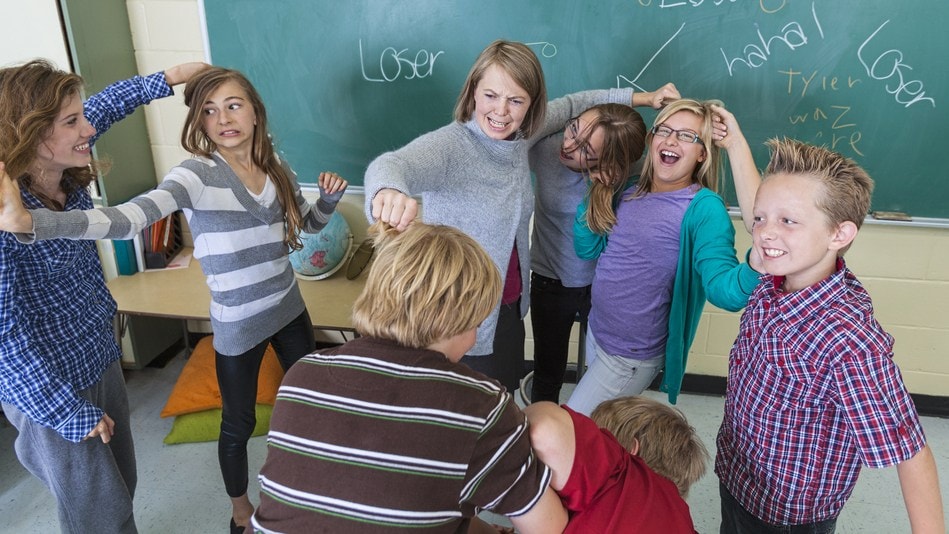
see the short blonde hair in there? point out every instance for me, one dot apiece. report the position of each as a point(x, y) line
point(522, 65)
point(847, 188)
point(667, 443)
point(426, 284)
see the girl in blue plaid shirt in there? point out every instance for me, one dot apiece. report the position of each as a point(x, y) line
point(61, 381)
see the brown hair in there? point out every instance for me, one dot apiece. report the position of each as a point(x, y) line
point(523, 67)
point(196, 141)
point(31, 98)
point(706, 173)
point(624, 140)
point(847, 188)
point(427, 283)
point(667, 443)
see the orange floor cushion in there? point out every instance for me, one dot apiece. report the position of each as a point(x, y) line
point(197, 390)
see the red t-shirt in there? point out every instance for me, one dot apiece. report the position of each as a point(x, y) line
point(611, 490)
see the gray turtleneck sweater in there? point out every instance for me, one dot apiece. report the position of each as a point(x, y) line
point(479, 185)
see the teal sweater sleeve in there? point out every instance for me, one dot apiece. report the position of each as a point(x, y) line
point(727, 283)
point(586, 243)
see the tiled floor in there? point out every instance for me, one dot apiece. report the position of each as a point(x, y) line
point(180, 488)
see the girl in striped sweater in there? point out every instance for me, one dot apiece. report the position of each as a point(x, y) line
point(245, 210)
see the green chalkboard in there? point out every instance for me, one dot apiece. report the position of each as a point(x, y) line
point(347, 80)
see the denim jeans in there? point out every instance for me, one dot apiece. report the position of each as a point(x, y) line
point(554, 308)
point(609, 376)
point(737, 520)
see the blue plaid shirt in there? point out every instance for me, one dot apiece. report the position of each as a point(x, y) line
point(56, 335)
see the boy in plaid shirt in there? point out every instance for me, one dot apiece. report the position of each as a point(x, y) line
point(813, 392)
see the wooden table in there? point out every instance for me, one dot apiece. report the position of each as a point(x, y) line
point(183, 294)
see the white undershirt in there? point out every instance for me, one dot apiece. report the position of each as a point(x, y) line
point(267, 195)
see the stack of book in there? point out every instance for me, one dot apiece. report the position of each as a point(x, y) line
point(154, 248)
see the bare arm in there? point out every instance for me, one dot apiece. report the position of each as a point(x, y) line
point(727, 134)
point(552, 439)
point(182, 73)
point(547, 516)
point(658, 98)
point(920, 485)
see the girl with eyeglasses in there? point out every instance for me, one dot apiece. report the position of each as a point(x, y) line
point(599, 146)
point(473, 174)
point(671, 247)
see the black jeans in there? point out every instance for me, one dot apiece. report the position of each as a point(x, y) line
point(737, 520)
point(237, 378)
point(554, 308)
point(506, 363)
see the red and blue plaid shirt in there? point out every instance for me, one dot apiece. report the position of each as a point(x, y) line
point(813, 393)
point(56, 335)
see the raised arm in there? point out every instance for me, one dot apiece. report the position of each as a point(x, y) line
point(920, 485)
point(658, 98)
point(182, 73)
point(120, 99)
point(317, 215)
point(727, 135)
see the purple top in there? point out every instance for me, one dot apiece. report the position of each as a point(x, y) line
point(632, 287)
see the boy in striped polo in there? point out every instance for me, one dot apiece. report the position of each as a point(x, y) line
point(389, 431)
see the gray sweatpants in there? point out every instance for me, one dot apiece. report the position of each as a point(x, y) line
point(93, 482)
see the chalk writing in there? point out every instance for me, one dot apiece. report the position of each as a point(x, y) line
point(889, 64)
point(824, 83)
point(767, 6)
point(840, 143)
point(392, 61)
point(620, 78)
point(753, 56)
point(546, 49)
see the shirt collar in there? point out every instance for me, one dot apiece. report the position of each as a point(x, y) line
point(801, 302)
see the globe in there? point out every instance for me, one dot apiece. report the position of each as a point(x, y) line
point(323, 253)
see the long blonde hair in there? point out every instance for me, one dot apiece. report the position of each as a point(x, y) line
point(31, 97)
point(196, 141)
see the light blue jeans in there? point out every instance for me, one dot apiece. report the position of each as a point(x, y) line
point(609, 376)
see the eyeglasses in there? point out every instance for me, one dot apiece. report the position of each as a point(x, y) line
point(572, 132)
point(682, 135)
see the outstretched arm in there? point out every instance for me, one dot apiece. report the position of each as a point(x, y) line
point(552, 438)
point(13, 216)
point(920, 485)
point(182, 73)
point(658, 98)
point(727, 134)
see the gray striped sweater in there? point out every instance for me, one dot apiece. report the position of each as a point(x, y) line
point(238, 242)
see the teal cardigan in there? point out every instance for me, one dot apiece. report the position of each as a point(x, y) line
point(708, 268)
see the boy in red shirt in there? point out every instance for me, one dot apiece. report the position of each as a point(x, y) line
point(639, 458)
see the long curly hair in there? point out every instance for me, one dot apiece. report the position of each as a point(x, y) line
point(31, 98)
